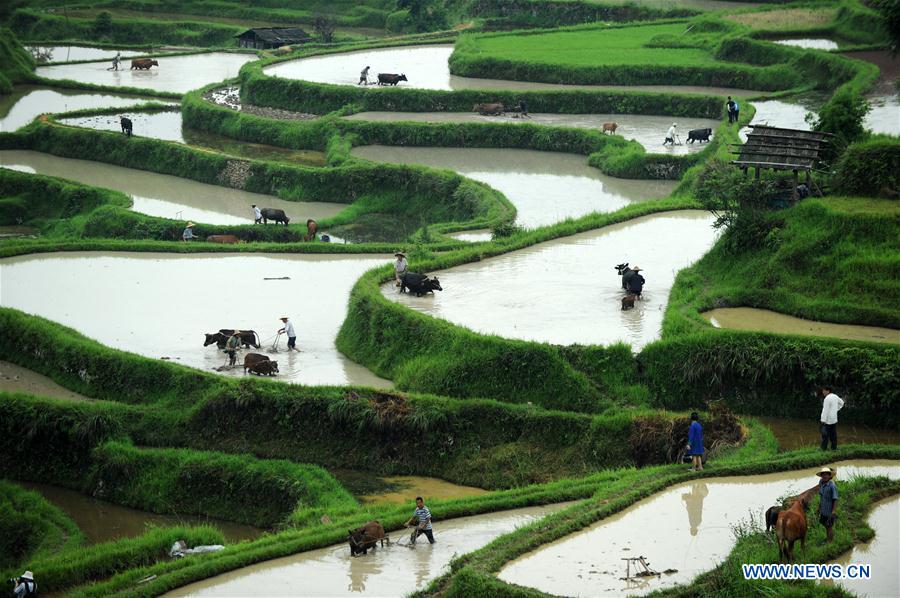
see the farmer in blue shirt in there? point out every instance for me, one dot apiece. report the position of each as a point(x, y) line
point(421, 518)
point(695, 442)
point(828, 500)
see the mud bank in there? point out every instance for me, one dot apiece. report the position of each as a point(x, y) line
point(545, 187)
point(102, 521)
point(388, 571)
point(692, 531)
point(163, 195)
point(649, 131)
point(176, 74)
point(14, 378)
point(160, 305)
point(749, 318)
point(566, 291)
point(426, 67)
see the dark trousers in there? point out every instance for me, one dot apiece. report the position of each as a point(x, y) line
point(428, 534)
point(292, 342)
point(829, 434)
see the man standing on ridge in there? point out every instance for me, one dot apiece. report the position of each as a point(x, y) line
point(830, 407)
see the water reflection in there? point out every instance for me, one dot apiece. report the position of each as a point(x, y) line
point(693, 500)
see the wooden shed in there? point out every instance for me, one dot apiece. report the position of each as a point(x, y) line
point(265, 38)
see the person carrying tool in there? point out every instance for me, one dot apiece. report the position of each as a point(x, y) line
point(232, 345)
point(188, 234)
point(670, 135)
point(288, 329)
point(421, 518)
point(364, 76)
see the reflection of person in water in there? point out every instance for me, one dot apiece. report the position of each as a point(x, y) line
point(693, 500)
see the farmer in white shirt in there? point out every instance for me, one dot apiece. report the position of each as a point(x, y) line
point(670, 135)
point(830, 407)
point(291, 334)
point(257, 214)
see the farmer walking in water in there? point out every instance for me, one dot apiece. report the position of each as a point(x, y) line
point(232, 345)
point(364, 76)
point(288, 329)
point(421, 518)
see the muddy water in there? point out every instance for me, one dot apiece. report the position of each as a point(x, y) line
point(882, 553)
point(566, 291)
point(27, 101)
point(692, 532)
point(176, 74)
point(102, 521)
point(405, 488)
point(780, 113)
point(649, 131)
point(14, 378)
point(472, 236)
point(810, 43)
point(799, 433)
point(160, 305)
point(545, 187)
point(426, 68)
point(749, 318)
point(168, 127)
point(71, 53)
point(884, 98)
point(388, 571)
point(163, 195)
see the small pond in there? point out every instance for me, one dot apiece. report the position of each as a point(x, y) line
point(749, 318)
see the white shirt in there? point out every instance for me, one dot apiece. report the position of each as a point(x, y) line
point(400, 266)
point(671, 133)
point(830, 407)
point(257, 213)
point(289, 329)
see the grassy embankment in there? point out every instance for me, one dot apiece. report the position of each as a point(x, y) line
point(31, 528)
point(16, 64)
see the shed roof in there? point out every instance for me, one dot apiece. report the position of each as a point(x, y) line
point(781, 149)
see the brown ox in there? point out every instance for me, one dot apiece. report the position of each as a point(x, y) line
point(791, 525)
point(251, 359)
point(363, 538)
point(143, 64)
point(611, 127)
point(226, 239)
point(311, 227)
point(495, 109)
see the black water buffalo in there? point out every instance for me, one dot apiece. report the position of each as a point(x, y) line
point(365, 537)
point(262, 368)
point(700, 135)
point(249, 338)
point(127, 125)
point(275, 215)
point(390, 78)
point(419, 284)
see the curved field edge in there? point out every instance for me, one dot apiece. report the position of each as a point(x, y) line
point(602, 494)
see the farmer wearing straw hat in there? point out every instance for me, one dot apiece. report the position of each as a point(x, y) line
point(401, 267)
point(634, 282)
point(288, 329)
point(25, 586)
point(188, 234)
point(232, 345)
point(828, 501)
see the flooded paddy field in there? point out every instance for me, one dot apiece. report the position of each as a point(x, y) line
point(56, 53)
point(102, 521)
point(567, 291)
point(15, 378)
point(164, 195)
point(160, 305)
point(692, 532)
point(167, 126)
point(801, 433)
point(426, 67)
point(884, 98)
point(809, 43)
point(176, 74)
point(389, 571)
point(26, 102)
point(649, 131)
point(545, 187)
point(763, 320)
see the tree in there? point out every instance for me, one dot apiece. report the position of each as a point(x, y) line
point(103, 23)
point(890, 17)
point(842, 116)
point(426, 15)
point(324, 28)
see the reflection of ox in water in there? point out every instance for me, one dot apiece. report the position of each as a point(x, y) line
point(249, 338)
point(143, 64)
point(390, 78)
point(275, 215)
point(700, 135)
point(495, 109)
point(259, 364)
point(419, 284)
point(127, 125)
point(628, 302)
point(363, 538)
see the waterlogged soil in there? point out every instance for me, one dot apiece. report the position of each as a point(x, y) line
point(15, 378)
point(73, 53)
point(168, 127)
point(649, 131)
point(749, 318)
point(567, 291)
point(545, 187)
point(692, 532)
point(26, 102)
point(176, 74)
point(160, 305)
point(164, 195)
point(803, 433)
point(390, 571)
point(102, 521)
point(881, 552)
point(400, 489)
point(810, 43)
point(426, 67)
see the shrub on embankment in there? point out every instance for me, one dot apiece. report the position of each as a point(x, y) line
point(870, 169)
point(31, 528)
point(16, 65)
